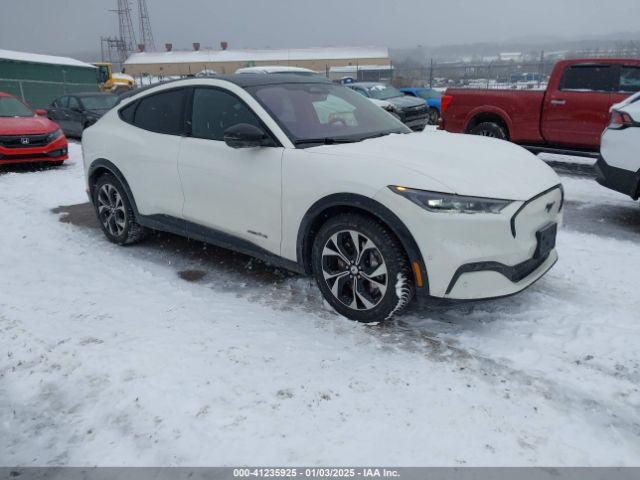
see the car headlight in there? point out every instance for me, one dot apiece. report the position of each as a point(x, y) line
point(54, 135)
point(447, 202)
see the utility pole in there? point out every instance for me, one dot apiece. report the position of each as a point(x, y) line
point(431, 74)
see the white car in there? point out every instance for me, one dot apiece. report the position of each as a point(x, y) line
point(276, 69)
point(311, 176)
point(618, 167)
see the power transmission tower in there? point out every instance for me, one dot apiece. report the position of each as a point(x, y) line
point(127, 36)
point(145, 26)
point(112, 49)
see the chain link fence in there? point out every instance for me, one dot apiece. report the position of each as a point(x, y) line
point(525, 74)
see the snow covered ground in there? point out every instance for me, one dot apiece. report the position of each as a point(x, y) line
point(175, 353)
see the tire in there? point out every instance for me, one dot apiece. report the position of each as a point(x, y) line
point(434, 116)
point(490, 129)
point(56, 163)
point(338, 267)
point(114, 212)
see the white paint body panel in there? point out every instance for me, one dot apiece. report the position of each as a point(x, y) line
point(269, 190)
point(621, 148)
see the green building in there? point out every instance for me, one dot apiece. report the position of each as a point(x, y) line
point(38, 79)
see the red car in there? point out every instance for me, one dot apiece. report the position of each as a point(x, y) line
point(28, 136)
point(569, 116)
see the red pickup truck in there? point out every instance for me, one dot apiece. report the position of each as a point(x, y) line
point(569, 116)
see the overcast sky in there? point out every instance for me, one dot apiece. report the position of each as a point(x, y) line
point(70, 26)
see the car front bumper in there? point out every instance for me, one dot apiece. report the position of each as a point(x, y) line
point(416, 123)
point(481, 256)
point(55, 151)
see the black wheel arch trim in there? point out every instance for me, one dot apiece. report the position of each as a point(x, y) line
point(373, 208)
point(103, 163)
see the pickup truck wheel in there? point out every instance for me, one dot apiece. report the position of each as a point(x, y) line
point(434, 116)
point(490, 129)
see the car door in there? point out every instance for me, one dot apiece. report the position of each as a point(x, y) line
point(577, 111)
point(58, 113)
point(75, 118)
point(149, 151)
point(235, 193)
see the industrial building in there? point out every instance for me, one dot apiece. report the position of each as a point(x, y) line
point(38, 79)
point(226, 61)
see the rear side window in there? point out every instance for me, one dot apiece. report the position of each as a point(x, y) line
point(127, 112)
point(214, 111)
point(588, 78)
point(161, 112)
point(629, 79)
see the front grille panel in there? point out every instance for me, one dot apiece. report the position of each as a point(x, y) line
point(413, 113)
point(23, 141)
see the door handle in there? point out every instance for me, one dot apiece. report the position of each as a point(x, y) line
point(558, 102)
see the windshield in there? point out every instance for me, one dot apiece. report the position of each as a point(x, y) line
point(12, 107)
point(383, 92)
point(325, 113)
point(99, 102)
point(427, 94)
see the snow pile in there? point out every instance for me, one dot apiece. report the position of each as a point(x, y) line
point(109, 357)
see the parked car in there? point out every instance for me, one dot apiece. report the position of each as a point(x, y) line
point(78, 111)
point(411, 111)
point(259, 164)
point(570, 115)
point(619, 164)
point(28, 136)
point(432, 98)
point(277, 69)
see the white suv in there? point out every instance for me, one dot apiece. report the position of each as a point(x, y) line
point(618, 167)
point(311, 176)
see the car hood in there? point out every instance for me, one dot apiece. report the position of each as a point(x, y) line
point(26, 125)
point(406, 101)
point(462, 164)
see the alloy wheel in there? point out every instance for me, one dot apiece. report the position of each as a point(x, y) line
point(354, 270)
point(111, 210)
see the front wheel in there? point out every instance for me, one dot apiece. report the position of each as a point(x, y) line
point(361, 269)
point(114, 212)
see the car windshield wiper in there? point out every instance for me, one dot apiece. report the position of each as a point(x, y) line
point(378, 135)
point(325, 141)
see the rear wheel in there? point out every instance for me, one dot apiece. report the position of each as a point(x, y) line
point(114, 212)
point(490, 129)
point(361, 269)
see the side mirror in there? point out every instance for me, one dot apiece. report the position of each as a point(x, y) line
point(244, 135)
point(41, 112)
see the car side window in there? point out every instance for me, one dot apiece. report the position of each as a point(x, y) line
point(215, 110)
point(126, 113)
point(63, 102)
point(629, 79)
point(161, 112)
point(361, 91)
point(588, 78)
point(73, 102)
